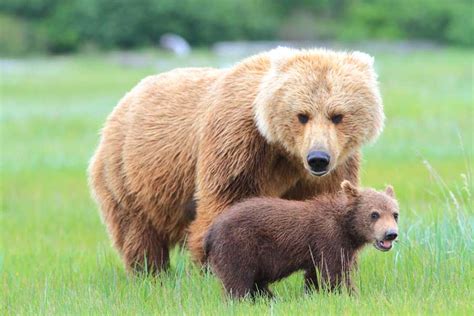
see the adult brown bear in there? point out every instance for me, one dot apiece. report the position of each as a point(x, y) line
point(285, 123)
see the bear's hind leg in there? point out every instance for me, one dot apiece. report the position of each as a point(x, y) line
point(238, 285)
point(144, 249)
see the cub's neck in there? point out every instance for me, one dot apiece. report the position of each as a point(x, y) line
point(341, 213)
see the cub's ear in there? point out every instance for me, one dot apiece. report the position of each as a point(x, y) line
point(389, 190)
point(349, 189)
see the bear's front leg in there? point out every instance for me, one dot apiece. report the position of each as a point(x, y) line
point(351, 289)
point(337, 278)
point(205, 215)
point(234, 162)
point(261, 288)
point(311, 282)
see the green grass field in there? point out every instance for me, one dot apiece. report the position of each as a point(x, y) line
point(55, 255)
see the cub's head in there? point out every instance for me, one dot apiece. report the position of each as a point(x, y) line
point(320, 105)
point(376, 215)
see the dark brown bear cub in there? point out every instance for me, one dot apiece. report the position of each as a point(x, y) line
point(262, 240)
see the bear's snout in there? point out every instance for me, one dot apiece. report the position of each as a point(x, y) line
point(385, 244)
point(391, 235)
point(318, 161)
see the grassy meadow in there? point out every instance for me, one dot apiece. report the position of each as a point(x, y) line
point(56, 258)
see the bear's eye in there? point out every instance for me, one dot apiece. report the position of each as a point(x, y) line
point(336, 119)
point(374, 215)
point(395, 215)
point(303, 118)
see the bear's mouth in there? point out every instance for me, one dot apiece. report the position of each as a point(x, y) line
point(383, 245)
point(318, 173)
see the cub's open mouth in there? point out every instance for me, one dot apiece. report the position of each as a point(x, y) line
point(383, 245)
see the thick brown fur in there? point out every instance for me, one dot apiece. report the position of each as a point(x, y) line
point(218, 136)
point(262, 240)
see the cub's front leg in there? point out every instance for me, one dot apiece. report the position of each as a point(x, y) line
point(311, 282)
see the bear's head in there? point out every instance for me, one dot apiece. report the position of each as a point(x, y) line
point(374, 215)
point(320, 105)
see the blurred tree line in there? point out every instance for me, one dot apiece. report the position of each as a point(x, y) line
point(65, 26)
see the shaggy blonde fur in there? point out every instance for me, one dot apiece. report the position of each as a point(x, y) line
point(210, 137)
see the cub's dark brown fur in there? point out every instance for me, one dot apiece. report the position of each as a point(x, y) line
point(262, 240)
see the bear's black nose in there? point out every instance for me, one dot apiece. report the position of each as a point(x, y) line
point(318, 161)
point(391, 235)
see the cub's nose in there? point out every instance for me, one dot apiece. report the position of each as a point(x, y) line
point(318, 161)
point(391, 235)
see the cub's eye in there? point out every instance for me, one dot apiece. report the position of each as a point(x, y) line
point(303, 118)
point(395, 215)
point(374, 215)
point(336, 119)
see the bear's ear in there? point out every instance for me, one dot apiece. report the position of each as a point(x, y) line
point(363, 58)
point(390, 192)
point(280, 55)
point(349, 189)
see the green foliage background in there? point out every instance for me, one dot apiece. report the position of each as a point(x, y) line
point(65, 26)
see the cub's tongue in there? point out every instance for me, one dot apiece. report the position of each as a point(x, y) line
point(386, 243)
